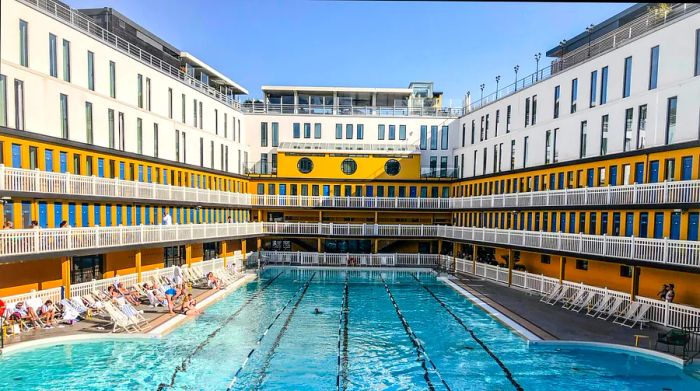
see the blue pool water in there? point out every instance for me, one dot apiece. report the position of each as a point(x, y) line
point(379, 349)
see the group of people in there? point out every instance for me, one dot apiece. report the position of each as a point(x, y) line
point(34, 225)
point(667, 293)
point(44, 315)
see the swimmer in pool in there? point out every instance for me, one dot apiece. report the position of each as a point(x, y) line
point(317, 311)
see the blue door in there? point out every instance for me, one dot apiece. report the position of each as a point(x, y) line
point(138, 215)
point(693, 221)
point(537, 221)
point(57, 214)
point(643, 224)
point(639, 173)
point(592, 223)
point(122, 171)
point(148, 215)
point(658, 225)
point(97, 212)
point(326, 190)
point(553, 228)
point(148, 174)
point(572, 222)
point(616, 224)
point(43, 214)
point(140, 173)
point(552, 182)
point(537, 183)
point(100, 167)
point(562, 221)
point(675, 226)
point(63, 163)
point(629, 224)
point(654, 171)
point(48, 161)
point(119, 215)
point(522, 221)
point(283, 189)
point(108, 215)
point(412, 192)
point(129, 210)
point(613, 176)
point(16, 156)
point(529, 221)
point(604, 223)
point(71, 214)
point(686, 168)
point(561, 181)
point(590, 174)
point(165, 176)
point(370, 191)
point(85, 213)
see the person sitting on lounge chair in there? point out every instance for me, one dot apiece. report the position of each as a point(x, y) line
point(171, 294)
point(131, 296)
point(22, 312)
point(212, 281)
point(47, 312)
point(188, 306)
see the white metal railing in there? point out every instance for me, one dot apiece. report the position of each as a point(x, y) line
point(38, 181)
point(661, 312)
point(79, 21)
point(370, 111)
point(341, 146)
point(88, 287)
point(44, 182)
point(53, 294)
point(21, 242)
point(349, 259)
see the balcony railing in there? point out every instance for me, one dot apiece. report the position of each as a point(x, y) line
point(76, 19)
point(15, 243)
point(366, 111)
point(36, 181)
point(349, 259)
point(340, 146)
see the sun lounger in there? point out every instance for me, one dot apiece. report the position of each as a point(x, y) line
point(587, 300)
point(120, 320)
point(602, 304)
point(634, 314)
point(553, 293)
point(574, 299)
point(613, 309)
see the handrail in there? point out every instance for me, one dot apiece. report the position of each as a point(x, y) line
point(370, 111)
point(79, 21)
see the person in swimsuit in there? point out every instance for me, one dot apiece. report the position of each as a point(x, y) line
point(188, 306)
point(170, 295)
point(317, 311)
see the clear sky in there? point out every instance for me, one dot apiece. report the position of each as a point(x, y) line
point(458, 45)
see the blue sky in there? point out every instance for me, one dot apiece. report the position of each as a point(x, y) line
point(370, 44)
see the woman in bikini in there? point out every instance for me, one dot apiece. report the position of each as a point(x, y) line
point(188, 306)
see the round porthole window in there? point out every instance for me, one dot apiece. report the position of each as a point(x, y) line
point(305, 165)
point(349, 166)
point(392, 167)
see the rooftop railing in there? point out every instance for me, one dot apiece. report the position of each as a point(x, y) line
point(610, 41)
point(342, 110)
point(76, 19)
point(345, 147)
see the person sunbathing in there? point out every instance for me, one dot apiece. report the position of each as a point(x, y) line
point(212, 281)
point(188, 306)
point(47, 312)
point(22, 312)
point(131, 296)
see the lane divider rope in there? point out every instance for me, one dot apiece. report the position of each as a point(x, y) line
point(341, 370)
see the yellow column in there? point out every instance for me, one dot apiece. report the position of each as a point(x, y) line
point(260, 217)
point(634, 289)
point(320, 216)
point(474, 251)
point(318, 245)
point(439, 246)
point(188, 254)
point(376, 246)
point(259, 244)
point(562, 269)
point(65, 275)
point(223, 251)
point(138, 265)
point(243, 250)
point(511, 256)
point(376, 217)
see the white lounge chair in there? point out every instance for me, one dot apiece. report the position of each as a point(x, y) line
point(559, 296)
point(574, 299)
point(584, 303)
point(551, 294)
point(602, 304)
point(613, 309)
point(119, 319)
point(634, 314)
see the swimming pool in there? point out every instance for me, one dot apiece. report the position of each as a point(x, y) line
point(386, 330)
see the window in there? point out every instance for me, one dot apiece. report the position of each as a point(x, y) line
point(534, 109)
point(139, 90)
point(641, 126)
point(433, 166)
point(263, 134)
point(498, 119)
point(443, 166)
point(296, 130)
point(444, 138)
point(380, 132)
point(110, 127)
point(113, 79)
point(604, 135)
point(392, 167)
point(625, 271)
point(512, 154)
point(360, 131)
point(53, 59)
point(348, 166)
point(464, 134)
point(211, 153)
point(670, 170)
point(338, 131)
point(402, 132)
point(64, 116)
point(23, 44)
point(3, 101)
point(486, 128)
point(574, 95)
point(201, 154)
point(627, 145)
point(584, 139)
point(275, 134)
point(627, 77)
point(546, 259)
point(273, 162)
point(225, 125)
point(604, 86)
point(148, 95)
point(170, 103)
point(594, 86)
point(527, 112)
point(122, 131)
point(263, 164)
point(66, 60)
point(433, 137)
point(423, 137)
point(392, 132)
point(33, 152)
point(483, 163)
point(89, 134)
point(653, 67)
point(307, 130)
point(697, 52)
point(474, 164)
point(91, 70)
point(671, 119)
point(525, 145)
point(348, 131)
point(184, 147)
point(19, 104)
point(581, 264)
point(317, 131)
point(183, 108)
point(508, 112)
point(155, 140)
point(548, 147)
point(496, 158)
point(473, 130)
point(556, 101)
point(555, 153)
point(201, 115)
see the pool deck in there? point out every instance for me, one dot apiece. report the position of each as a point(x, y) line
point(158, 318)
point(551, 322)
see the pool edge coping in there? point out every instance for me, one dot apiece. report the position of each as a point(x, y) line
point(592, 345)
point(161, 329)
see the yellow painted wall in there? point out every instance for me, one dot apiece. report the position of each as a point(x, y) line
point(120, 262)
point(151, 258)
point(327, 165)
point(686, 284)
point(22, 277)
point(197, 252)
